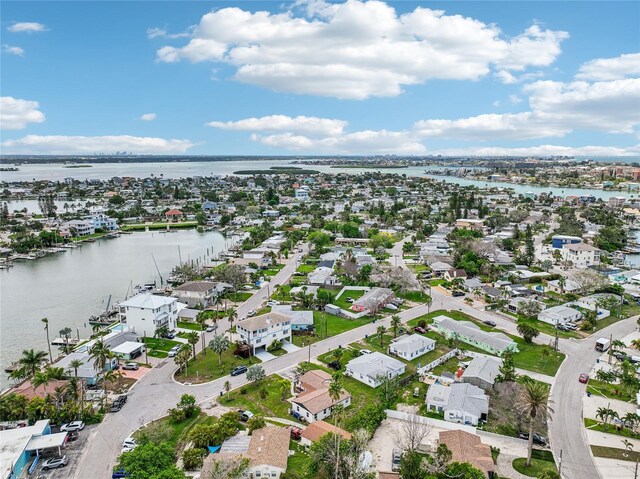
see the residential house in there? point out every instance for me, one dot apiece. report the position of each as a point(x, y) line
point(581, 255)
point(174, 215)
point(470, 223)
point(261, 331)
point(300, 320)
point(86, 370)
point(569, 286)
point(482, 371)
point(314, 431)
point(462, 403)
point(373, 300)
point(452, 274)
point(439, 268)
point(466, 447)
point(371, 369)
point(77, 228)
point(559, 315)
point(558, 241)
point(322, 276)
point(470, 333)
point(145, 313)
point(412, 346)
point(199, 293)
point(302, 193)
point(314, 401)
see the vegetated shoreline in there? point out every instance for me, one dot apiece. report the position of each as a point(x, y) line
point(370, 166)
point(278, 170)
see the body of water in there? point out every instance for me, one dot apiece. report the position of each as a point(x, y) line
point(70, 287)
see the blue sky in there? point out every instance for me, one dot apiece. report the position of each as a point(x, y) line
point(321, 78)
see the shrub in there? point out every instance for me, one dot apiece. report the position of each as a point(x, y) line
point(243, 390)
point(193, 458)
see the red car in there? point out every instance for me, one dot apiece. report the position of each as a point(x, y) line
point(418, 329)
point(584, 378)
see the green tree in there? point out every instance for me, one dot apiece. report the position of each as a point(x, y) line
point(395, 324)
point(255, 373)
point(527, 332)
point(193, 458)
point(32, 360)
point(193, 337)
point(534, 401)
point(150, 461)
point(256, 422)
point(46, 329)
point(507, 371)
point(219, 344)
point(380, 331)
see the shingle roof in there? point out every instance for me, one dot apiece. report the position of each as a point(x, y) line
point(269, 445)
point(374, 364)
point(412, 343)
point(498, 341)
point(483, 368)
point(467, 447)
point(196, 286)
point(262, 321)
point(317, 429)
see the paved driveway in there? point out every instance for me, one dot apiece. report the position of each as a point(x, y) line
point(264, 356)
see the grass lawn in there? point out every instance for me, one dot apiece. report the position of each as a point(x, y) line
point(240, 296)
point(328, 325)
point(615, 453)
point(205, 367)
point(540, 461)
point(161, 344)
point(341, 302)
point(278, 352)
point(547, 328)
point(450, 365)
point(608, 321)
point(271, 406)
point(299, 463)
point(609, 428)
point(609, 391)
point(191, 326)
point(306, 268)
point(437, 282)
point(414, 296)
point(179, 433)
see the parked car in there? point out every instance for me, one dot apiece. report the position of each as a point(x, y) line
point(131, 366)
point(620, 355)
point(115, 407)
point(129, 442)
point(210, 329)
point(420, 330)
point(54, 463)
point(365, 351)
point(457, 294)
point(537, 438)
point(119, 474)
point(488, 322)
point(334, 365)
point(396, 457)
point(246, 415)
point(170, 335)
point(583, 378)
point(273, 302)
point(127, 449)
point(251, 313)
point(238, 370)
point(173, 351)
point(72, 426)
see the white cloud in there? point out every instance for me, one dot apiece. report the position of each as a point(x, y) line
point(542, 150)
point(556, 109)
point(13, 50)
point(148, 117)
point(28, 27)
point(156, 32)
point(16, 114)
point(618, 68)
point(306, 125)
point(358, 49)
point(61, 145)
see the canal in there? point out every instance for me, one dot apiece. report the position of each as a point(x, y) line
point(68, 288)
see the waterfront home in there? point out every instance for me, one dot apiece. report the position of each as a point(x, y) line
point(77, 228)
point(482, 371)
point(581, 255)
point(200, 294)
point(174, 215)
point(314, 402)
point(558, 241)
point(86, 370)
point(373, 300)
point(372, 369)
point(260, 331)
point(412, 346)
point(102, 221)
point(145, 312)
point(462, 403)
point(466, 447)
point(470, 333)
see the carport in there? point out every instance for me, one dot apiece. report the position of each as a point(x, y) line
point(129, 350)
point(47, 441)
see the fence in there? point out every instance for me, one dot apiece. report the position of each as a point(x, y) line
point(437, 362)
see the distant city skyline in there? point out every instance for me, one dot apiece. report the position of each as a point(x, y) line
point(312, 77)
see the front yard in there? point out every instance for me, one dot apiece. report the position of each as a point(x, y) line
point(205, 367)
point(342, 302)
point(263, 398)
point(159, 347)
point(328, 325)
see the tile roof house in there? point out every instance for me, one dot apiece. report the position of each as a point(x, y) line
point(314, 402)
point(460, 402)
point(482, 371)
point(317, 429)
point(411, 346)
point(467, 447)
point(470, 333)
point(371, 368)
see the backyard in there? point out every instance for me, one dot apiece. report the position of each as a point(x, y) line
point(328, 325)
point(342, 302)
point(160, 347)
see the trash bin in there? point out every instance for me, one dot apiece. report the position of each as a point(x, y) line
point(588, 394)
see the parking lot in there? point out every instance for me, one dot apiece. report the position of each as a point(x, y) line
point(73, 450)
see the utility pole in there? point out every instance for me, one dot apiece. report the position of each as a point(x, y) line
point(555, 345)
point(309, 351)
point(560, 465)
point(610, 351)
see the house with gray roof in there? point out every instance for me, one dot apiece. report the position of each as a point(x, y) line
point(560, 315)
point(462, 403)
point(470, 333)
point(482, 372)
point(373, 300)
point(370, 369)
point(300, 320)
point(411, 346)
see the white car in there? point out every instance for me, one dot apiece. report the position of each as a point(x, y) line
point(173, 351)
point(129, 442)
point(365, 351)
point(54, 463)
point(273, 303)
point(72, 426)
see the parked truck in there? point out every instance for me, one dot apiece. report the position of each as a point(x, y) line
point(602, 344)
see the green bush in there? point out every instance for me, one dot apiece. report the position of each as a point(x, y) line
point(193, 458)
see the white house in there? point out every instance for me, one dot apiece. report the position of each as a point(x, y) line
point(146, 312)
point(482, 371)
point(559, 315)
point(581, 255)
point(302, 193)
point(470, 333)
point(314, 402)
point(411, 346)
point(463, 403)
point(77, 228)
point(261, 331)
point(202, 293)
point(372, 368)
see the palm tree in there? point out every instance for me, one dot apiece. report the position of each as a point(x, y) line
point(285, 387)
point(66, 333)
point(75, 364)
point(335, 390)
point(428, 300)
point(219, 344)
point(534, 401)
point(32, 360)
point(562, 282)
point(40, 378)
point(46, 328)
point(193, 339)
point(227, 388)
point(380, 331)
point(635, 344)
point(100, 354)
point(395, 323)
point(182, 358)
point(232, 315)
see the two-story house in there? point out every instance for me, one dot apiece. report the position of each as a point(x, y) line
point(260, 331)
point(145, 312)
point(314, 402)
point(199, 293)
